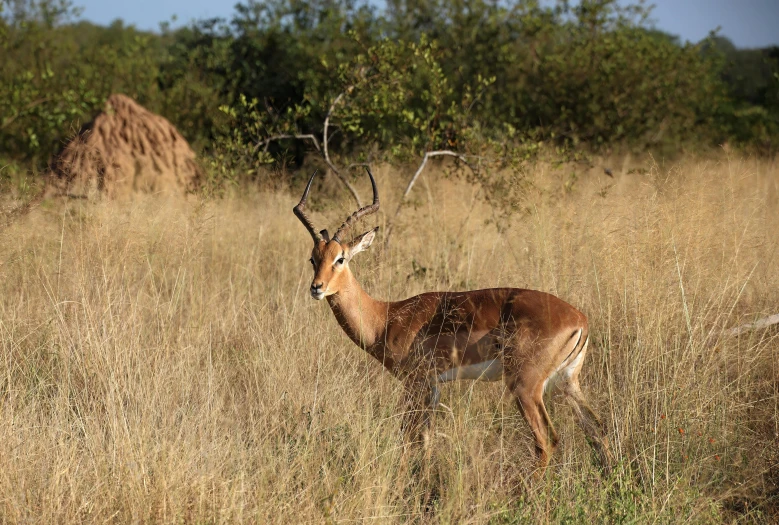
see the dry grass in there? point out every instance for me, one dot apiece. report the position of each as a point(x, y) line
point(162, 361)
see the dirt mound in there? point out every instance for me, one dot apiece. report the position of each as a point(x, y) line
point(125, 149)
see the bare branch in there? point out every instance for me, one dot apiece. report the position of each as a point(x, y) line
point(757, 325)
point(326, 151)
point(265, 143)
point(326, 128)
point(358, 165)
point(351, 189)
point(274, 138)
point(410, 185)
point(362, 212)
point(429, 154)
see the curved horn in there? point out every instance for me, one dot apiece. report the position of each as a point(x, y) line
point(301, 214)
point(362, 212)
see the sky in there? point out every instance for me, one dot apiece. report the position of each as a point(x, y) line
point(748, 23)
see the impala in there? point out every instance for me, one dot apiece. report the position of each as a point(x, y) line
point(530, 339)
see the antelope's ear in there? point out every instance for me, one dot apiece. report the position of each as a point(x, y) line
point(362, 242)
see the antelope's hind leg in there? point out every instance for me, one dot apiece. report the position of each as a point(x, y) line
point(589, 422)
point(531, 405)
point(526, 377)
point(527, 386)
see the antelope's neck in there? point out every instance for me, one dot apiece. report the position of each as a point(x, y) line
point(362, 317)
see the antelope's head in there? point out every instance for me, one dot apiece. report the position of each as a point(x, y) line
point(330, 257)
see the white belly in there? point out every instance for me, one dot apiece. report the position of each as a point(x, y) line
point(484, 371)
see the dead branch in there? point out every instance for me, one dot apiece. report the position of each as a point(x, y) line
point(765, 322)
point(324, 151)
point(274, 138)
point(326, 157)
point(326, 128)
point(428, 155)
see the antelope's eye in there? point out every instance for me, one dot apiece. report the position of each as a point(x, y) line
point(340, 261)
point(311, 260)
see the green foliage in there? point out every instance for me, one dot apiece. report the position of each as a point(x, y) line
point(37, 96)
point(391, 93)
point(196, 76)
point(750, 115)
point(471, 75)
point(481, 78)
point(55, 74)
point(611, 81)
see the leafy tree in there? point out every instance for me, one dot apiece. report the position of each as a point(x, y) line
point(481, 79)
point(55, 75)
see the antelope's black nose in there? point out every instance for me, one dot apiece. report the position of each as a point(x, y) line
point(316, 290)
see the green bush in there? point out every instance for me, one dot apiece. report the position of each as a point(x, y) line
point(473, 76)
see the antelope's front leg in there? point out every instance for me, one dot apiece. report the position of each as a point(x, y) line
point(419, 397)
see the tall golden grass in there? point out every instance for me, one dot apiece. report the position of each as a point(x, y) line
point(163, 362)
